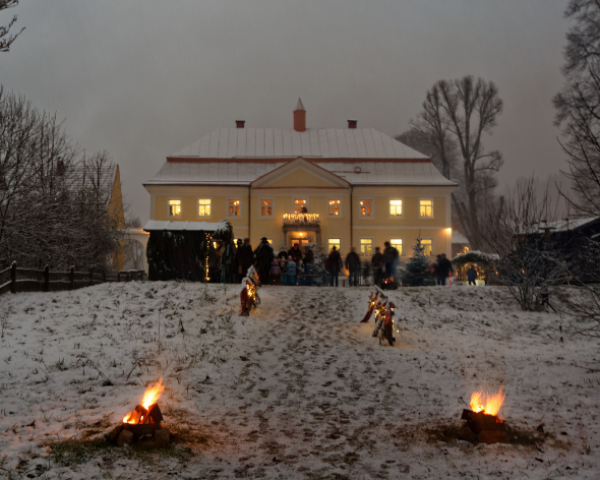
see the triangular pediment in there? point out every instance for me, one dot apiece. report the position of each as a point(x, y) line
point(300, 173)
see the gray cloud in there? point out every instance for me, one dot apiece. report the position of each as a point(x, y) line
point(144, 78)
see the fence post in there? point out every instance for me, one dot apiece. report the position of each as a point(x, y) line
point(91, 276)
point(13, 277)
point(46, 278)
point(72, 278)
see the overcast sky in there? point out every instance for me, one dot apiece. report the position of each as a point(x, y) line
point(144, 78)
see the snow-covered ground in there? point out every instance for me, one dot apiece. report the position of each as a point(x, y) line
point(299, 389)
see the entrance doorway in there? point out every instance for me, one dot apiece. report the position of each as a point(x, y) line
point(302, 241)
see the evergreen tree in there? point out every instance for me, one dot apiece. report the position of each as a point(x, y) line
point(417, 272)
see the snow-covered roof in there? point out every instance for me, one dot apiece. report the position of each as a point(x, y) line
point(244, 173)
point(187, 226)
point(288, 143)
point(567, 224)
point(475, 256)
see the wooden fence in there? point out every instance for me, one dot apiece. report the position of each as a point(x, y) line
point(15, 279)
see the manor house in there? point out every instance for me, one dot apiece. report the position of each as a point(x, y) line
point(327, 186)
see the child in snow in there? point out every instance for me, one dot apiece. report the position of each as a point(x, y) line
point(289, 278)
point(276, 272)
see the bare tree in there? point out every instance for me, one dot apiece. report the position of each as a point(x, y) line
point(578, 104)
point(6, 40)
point(578, 113)
point(518, 228)
point(460, 112)
point(53, 199)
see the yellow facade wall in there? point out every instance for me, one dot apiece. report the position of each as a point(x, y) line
point(380, 227)
point(300, 177)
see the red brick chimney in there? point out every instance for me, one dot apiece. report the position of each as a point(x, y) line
point(300, 117)
point(352, 123)
point(240, 123)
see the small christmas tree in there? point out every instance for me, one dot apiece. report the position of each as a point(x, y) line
point(417, 271)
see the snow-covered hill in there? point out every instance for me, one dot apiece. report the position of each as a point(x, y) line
point(299, 389)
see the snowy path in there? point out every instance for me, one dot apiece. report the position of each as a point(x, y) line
point(298, 390)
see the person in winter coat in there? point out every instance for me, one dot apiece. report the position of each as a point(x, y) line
point(353, 265)
point(264, 256)
point(295, 253)
point(472, 275)
point(227, 255)
point(236, 267)
point(309, 261)
point(390, 259)
point(289, 278)
point(377, 264)
point(333, 264)
point(245, 257)
point(276, 272)
point(213, 264)
point(444, 267)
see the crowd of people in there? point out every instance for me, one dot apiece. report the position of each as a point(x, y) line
point(296, 266)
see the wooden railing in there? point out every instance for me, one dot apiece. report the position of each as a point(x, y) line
point(15, 279)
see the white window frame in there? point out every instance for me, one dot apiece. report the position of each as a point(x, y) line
point(198, 207)
point(365, 217)
point(432, 245)
point(169, 207)
point(339, 245)
point(432, 208)
point(241, 207)
point(372, 246)
point(341, 210)
point(396, 199)
point(272, 200)
point(401, 240)
point(299, 198)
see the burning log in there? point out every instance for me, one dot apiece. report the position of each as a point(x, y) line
point(145, 420)
point(482, 422)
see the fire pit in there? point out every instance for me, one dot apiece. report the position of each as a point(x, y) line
point(143, 424)
point(483, 424)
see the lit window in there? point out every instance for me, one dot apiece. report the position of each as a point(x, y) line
point(204, 207)
point(175, 208)
point(365, 208)
point(397, 244)
point(426, 208)
point(428, 244)
point(298, 204)
point(396, 208)
point(334, 242)
point(334, 208)
point(366, 246)
point(266, 208)
point(234, 208)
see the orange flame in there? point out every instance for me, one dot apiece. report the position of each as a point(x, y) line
point(487, 403)
point(151, 396)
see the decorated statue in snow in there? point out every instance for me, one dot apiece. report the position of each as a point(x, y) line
point(249, 293)
point(372, 305)
point(384, 322)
